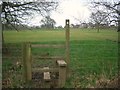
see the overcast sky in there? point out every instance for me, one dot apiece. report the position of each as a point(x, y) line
point(69, 9)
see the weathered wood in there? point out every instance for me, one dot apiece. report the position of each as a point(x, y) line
point(47, 57)
point(15, 47)
point(1, 37)
point(61, 63)
point(27, 62)
point(62, 73)
point(12, 57)
point(46, 75)
point(47, 46)
point(45, 70)
point(67, 45)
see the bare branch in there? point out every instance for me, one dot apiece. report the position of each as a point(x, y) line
point(16, 12)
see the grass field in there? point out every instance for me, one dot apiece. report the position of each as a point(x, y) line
point(59, 35)
point(93, 56)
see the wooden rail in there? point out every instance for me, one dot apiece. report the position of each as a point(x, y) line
point(47, 46)
point(13, 57)
point(45, 70)
point(48, 57)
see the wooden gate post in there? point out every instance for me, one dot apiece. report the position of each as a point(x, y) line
point(62, 73)
point(27, 69)
point(67, 52)
point(1, 32)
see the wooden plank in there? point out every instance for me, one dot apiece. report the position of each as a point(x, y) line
point(47, 46)
point(61, 63)
point(19, 51)
point(45, 70)
point(46, 75)
point(12, 57)
point(47, 57)
point(13, 47)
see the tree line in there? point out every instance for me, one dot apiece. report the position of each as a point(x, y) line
point(14, 14)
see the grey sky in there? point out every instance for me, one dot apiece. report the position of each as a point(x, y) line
point(68, 9)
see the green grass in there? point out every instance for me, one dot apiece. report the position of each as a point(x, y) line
point(91, 59)
point(93, 55)
point(58, 35)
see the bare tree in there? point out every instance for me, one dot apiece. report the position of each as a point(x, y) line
point(14, 13)
point(114, 8)
point(0, 20)
point(98, 18)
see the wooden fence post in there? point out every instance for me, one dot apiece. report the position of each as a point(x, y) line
point(67, 45)
point(62, 73)
point(0, 49)
point(27, 69)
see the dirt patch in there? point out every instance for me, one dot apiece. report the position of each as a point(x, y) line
point(39, 82)
point(105, 83)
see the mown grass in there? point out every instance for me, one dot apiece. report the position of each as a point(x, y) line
point(93, 56)
point(59, 35)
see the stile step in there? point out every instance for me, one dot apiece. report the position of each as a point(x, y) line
point(46, 75)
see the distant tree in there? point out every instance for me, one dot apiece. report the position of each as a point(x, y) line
point(72, 25)
point(98, 18)
point(114, 9)
point(91, 25)
point(60, 26)
point(48, 22)
point(15, 13)
point(84, 25)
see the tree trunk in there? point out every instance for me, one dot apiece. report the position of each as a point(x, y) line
point(118, 26)
point(4, 47)
point(2, 34)
point(98, 28)
point(118, 8)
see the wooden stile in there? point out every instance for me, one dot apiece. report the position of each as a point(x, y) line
point(45, 70)
point(62, 66)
